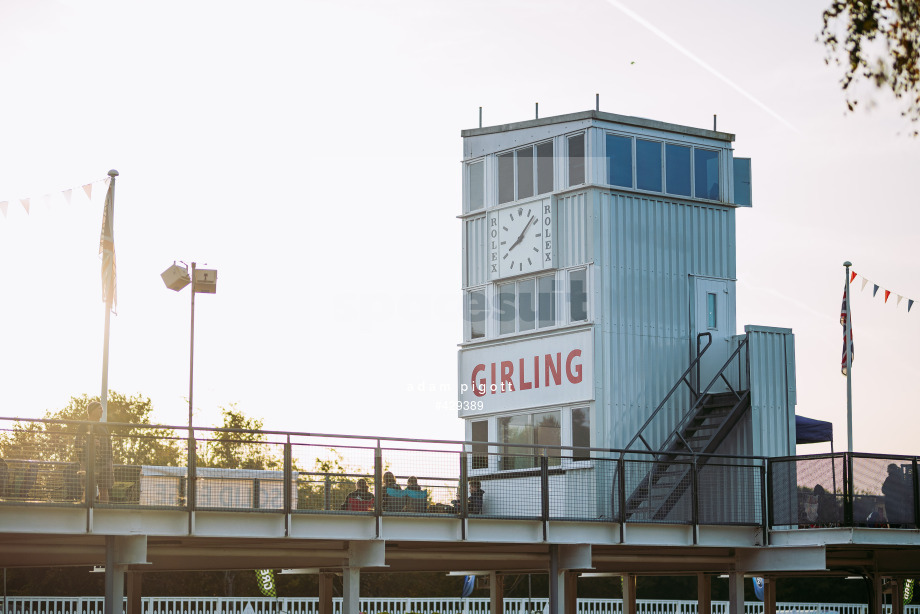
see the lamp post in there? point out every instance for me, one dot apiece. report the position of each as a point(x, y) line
point(203, 281)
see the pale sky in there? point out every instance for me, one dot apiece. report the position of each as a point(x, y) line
point(310, 151)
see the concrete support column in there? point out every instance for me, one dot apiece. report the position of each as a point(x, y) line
point(703, 593)
point(351, 590)
point(736, 592)
point(121, 551)
point(769, 596)
point(629, 593)
point(875, 606)
point(135, 605)
point(325, 593)
point(496, 592)
point(897, 596)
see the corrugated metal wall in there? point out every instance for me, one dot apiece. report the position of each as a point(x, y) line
point(772, 356)
point(573, 238)
point(647, 250)
point(476, 251)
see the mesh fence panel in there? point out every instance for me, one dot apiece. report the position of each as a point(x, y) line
point(729, 494)
point(423, 481)
point(883, 492)
point(327, 475)
point(658, 491)
point(808, 492)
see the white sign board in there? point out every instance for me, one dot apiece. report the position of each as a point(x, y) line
point(534, 373)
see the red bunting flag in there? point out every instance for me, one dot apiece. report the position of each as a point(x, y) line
point(852, 276)
point(887, 294)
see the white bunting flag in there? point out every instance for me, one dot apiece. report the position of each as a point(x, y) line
point(25, 204)
point(68, 194)
point(3, 207)
point(88, 188)
point(865, 281)
point(900, 298)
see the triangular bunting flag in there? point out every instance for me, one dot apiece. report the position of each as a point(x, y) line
point(88, 188)
point(68, 194)
point(865, 281)
point(900, 298)
point(852, 276)
point(3, 207)
point(25, 204)
point(887, 294)
point(910, 303)
point(874, 290)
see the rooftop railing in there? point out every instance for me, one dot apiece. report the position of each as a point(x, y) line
point(51, 462)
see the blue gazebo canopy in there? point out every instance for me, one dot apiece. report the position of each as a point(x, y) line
point(809, 430)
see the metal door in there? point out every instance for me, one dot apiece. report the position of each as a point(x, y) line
point(712, 311)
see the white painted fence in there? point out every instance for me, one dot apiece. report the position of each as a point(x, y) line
point(398, 605)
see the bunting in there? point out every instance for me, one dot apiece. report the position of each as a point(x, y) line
point(886, 293)
point(29, 203)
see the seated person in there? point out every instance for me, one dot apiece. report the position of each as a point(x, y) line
point(359, 500)
point(475, 501)
point(878, 518)
point(416, 498)
point(391, 498)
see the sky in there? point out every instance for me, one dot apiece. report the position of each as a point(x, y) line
point(311, 153)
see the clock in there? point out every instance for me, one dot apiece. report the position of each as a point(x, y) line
point(520, 239)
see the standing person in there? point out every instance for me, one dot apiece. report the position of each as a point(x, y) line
point(896, 490)
point(391, 495)
point(102, 442)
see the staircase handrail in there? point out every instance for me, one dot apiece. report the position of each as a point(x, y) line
point(681, 380)
point(676, 433)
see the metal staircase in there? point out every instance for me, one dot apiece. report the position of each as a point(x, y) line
point(703, 427)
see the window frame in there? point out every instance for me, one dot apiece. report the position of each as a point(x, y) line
point(515, 171)
point(568, 158)
point(517, 304)
point(469, 186)
point(568, 295)
point(664, 143)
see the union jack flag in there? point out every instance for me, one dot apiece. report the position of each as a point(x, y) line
point(846, 318)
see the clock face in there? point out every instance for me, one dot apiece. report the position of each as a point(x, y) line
point(520, 246)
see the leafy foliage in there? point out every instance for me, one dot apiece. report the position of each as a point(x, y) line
point(241, 446)
point(131, 445)
point(880, 42)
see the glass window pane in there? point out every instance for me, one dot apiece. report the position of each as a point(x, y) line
point(546, 286)
point(648, 165)
point(706, 174)
point(576, 159)
point(477, 186)
point(480, 433)
point(527, 304)
point(711, 310)
point(516, 430)
point(677, 167)
point(477, 314)
point(506, 178)
point(581, 433)
point(548, 432)
point(619, 160)
point(525, 172)
point(578, 295)
point(545, 167)
point(505, 309)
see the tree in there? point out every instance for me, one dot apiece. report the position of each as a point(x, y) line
point(243, 446)
point(880, 41)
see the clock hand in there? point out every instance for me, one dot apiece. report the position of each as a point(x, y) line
point(523, 232)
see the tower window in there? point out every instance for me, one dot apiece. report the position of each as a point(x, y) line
point(648, 165)
point(476, 185)
point(576, 159)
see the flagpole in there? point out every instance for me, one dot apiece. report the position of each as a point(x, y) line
point(848, 344)
point(103, 396)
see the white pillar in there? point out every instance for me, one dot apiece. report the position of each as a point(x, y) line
point(351, 590)
point(496, 592)
point(736, 592)
point(629, 594)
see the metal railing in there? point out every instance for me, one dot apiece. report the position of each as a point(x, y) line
point(57, 463)
point(406, 605)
